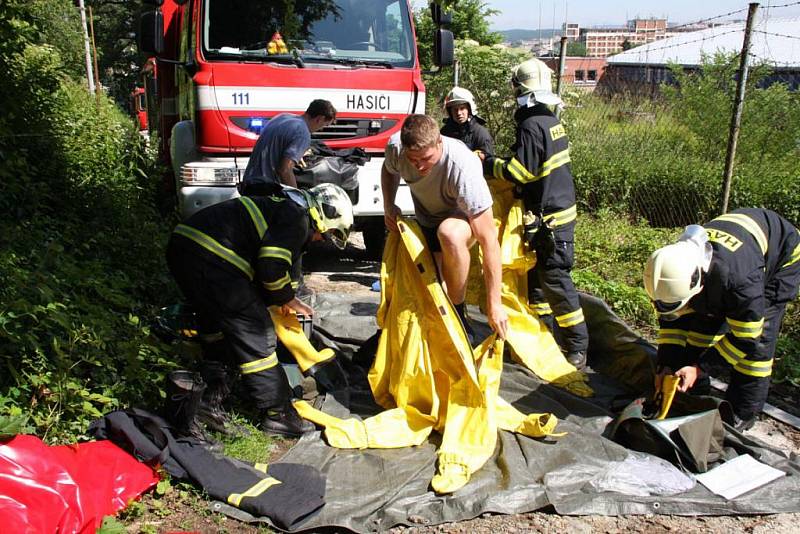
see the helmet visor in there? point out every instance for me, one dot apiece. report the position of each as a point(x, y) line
point(337, 237)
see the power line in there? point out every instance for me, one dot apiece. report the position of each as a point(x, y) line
point(683, 43)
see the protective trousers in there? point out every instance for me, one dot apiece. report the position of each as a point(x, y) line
point(426, 375)
point(233, 323)
point(553, 294)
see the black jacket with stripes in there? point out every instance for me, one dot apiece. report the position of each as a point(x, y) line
point(271, 260)
point(540, 164)
point(751, 248)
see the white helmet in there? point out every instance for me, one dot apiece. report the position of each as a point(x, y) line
point(332, 213)
point(459, 95)
point(533, 77)
point(673, 275)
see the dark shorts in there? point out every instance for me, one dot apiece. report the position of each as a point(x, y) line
point(431, 237)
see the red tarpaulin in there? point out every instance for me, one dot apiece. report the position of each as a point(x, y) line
point(67, 488)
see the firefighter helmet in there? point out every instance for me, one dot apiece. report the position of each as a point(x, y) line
point(533, 77)
point(459, 95)
point(673, 275)
point(332, 213)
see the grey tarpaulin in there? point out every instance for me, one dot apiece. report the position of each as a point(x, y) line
point(373, 490)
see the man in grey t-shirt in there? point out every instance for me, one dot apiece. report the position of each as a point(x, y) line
point(453, 205)
point(281, 145)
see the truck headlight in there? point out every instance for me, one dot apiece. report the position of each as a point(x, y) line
point(198, 174)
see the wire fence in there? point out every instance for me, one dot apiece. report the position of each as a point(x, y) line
point(650, 128)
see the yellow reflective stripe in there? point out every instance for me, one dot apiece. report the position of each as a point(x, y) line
point(557, 160)
point(560, 218)
point(702, 340)
point(295, 285)
point(748, 224)
point(213, 246)
point(279, 253)
point(542, 309)
point(671, 336)
point(570, 319)
point(261, 467)
point(740, 363)
point(316, 218)
point(257, 489)
point(519, 171)
point(278, 284)
point(259, 365)
point(794, 258)
point(255, 215)
point(497, 168)
point(746, 329)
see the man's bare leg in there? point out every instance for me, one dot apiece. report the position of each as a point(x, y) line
point(455, 237)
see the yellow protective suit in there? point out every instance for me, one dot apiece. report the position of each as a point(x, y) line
point(530, 342)
point(426, 375)
point(291, 334)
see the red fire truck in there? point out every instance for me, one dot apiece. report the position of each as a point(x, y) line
point(221, 77)
point(139, 108)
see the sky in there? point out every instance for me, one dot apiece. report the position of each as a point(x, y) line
point(524, 14)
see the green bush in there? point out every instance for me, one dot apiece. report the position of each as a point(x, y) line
point(80, 241)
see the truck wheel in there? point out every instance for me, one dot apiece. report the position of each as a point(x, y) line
point(374, 233)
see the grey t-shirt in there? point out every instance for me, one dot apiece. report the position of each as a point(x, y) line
point(284, 136)
point(454, 187)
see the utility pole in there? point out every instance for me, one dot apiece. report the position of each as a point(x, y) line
point(562, 63)
point(738, 106)
point(89, 74)
point(94, 53)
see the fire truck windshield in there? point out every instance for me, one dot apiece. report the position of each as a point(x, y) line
point(341, 32)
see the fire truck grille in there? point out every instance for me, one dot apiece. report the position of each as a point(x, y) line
point(351, 128)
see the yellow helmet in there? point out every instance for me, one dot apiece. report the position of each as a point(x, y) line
point(673, 275)
point(459, 95)
point(332, 213)
point(533, 77)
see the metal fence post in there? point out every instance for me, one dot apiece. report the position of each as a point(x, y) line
point(738, 105)
point(562, 63)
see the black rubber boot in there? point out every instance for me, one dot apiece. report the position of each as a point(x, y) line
point(184, 391)
point(461, 311)
point(211, 412)
point(577, 358)
point(286, 423)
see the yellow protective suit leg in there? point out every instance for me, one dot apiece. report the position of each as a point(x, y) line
point(530, 341)
point(387, 430)
point(470, 432)
point(534, 425)
point(291, 334)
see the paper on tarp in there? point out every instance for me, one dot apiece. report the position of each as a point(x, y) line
point(737, 477)
point(377, 489)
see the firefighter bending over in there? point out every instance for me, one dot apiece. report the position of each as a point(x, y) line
point(540, 171)
point(234, 259)
point(721, 292)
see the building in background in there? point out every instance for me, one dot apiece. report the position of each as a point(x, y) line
point(641, 70)
point(583, 72)
point(602, 42)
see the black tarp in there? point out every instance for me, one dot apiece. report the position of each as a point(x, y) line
point(374, 490)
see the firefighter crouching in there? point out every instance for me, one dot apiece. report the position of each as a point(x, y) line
point(721, 292)
point(234, 259)
point(540, 170)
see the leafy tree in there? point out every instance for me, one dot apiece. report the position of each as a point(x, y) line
point(470, 21)
point(486, 72)
point(576, 48)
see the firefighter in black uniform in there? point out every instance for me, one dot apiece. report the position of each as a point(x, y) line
point(540, 170)
point(234, 259)
point(464, 124)
point(721, 292)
